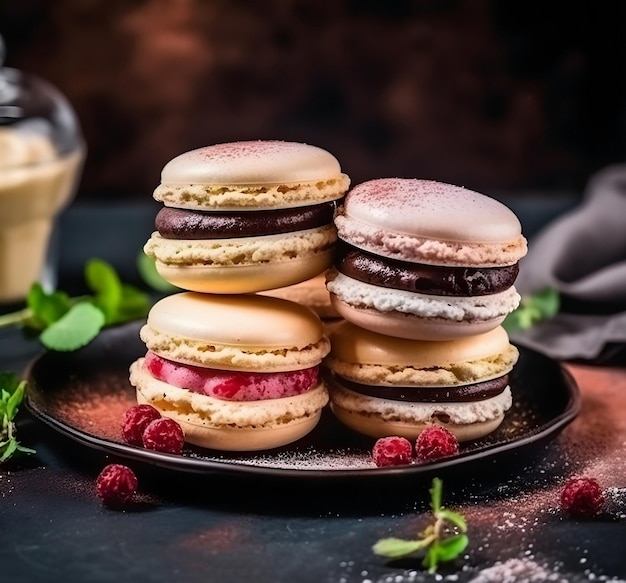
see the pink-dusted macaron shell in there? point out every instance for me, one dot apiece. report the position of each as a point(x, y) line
point(433, 210)
point(232, 385)
point(252, 162)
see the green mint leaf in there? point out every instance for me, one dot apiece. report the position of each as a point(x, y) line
point(532, 309)
point(9, 381)
point(451, 547)
point(546, 302)
point(22, 449)
point(4, 401)
point(438, 547)
point(454, 517)
point(52, 315)
point(396, 547)
point(435, 495)
point(134, 304)
point(76, 329)
point(46, 308)
point(103, 280)
point(148, 272)
point(431, 559)
point(512, 322)
point(12, 392)
point(14, 401)
point(119, 302)
point(8, 450)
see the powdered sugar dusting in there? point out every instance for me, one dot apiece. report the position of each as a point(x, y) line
point(431, 209)
point(518, 532)
point(252, 162)
point(245, 151)
point(415, 194)
point(516, 571)
point(307, 460)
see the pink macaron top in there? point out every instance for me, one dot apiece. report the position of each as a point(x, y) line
point(431, 209)
point(252, 162)
point(424, 221)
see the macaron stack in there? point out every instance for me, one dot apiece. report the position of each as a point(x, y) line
point(240, 371)
point(424, 276)
point(246, 216)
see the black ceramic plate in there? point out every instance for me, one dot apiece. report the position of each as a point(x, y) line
point(85, 393)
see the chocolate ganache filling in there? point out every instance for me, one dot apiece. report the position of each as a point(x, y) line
point(175, 223)
point(427, 279)
point(460, 394)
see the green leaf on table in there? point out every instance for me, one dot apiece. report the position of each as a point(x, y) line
point(441, 539)
point(11, 396)
point(103, 280)
point(533, 308)
point(436, 494)
point(9, 382)
point(454, 517)
point(546, 302)
point(134, 304)
point(148, 272)
point(46, 307)
point(14, 400)
point(4, 398)
point(395, 548)
point(8, 448)
point(74, 330)
point(450, 548)
point(118, 301)
point(62, 325)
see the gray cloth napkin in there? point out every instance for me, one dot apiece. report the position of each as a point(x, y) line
point(582, 254)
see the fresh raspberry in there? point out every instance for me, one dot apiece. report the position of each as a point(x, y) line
point(136, 420)
point(392, 451)
point(164, 435)
point(582, 496)
point(435, 442)
point(116, 485)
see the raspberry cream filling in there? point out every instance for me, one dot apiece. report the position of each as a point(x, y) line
point(232, 385)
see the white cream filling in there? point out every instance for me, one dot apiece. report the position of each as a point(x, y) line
point(366, 296)
point(390, 410)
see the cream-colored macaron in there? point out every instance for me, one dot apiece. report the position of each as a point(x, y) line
point(244, 217)
point(262, 174)
point(425, 260)
point(382, 385)
point(235, 332)
point(201, 334)
point(311, 293)
point(231, 425)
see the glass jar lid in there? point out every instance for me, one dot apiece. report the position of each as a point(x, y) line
point(36, 120)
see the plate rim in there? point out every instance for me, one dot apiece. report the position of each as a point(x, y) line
point(208, 466)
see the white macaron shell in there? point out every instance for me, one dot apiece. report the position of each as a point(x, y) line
point(432, 210)
point(252, 162)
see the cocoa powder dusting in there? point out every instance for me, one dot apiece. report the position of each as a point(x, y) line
point(508, 526)
point(95, 412)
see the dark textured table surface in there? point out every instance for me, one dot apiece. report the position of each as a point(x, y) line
point(187, 527)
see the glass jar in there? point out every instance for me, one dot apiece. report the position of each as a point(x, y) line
point(41, 157)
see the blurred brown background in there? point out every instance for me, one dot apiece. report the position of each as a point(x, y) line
point(500, 95)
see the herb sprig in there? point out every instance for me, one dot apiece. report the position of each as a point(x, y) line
point(11, 394)
point(65, 323)
point(443, 540)
point(146, 266)
point(533, 308)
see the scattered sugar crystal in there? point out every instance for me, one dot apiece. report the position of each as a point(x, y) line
point(515, 571)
